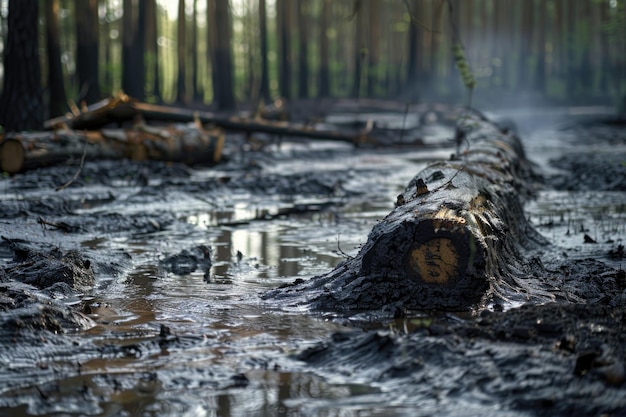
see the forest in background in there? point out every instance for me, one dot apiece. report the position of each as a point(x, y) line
point(228, 53)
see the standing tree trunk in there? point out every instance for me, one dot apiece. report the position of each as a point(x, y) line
point(412, 73)
point(570, 42)
point(540, 69)
point(223, 56)
point(264, 93)
point(56, 85)
point(132, 51)
point(181, 89)
point(374, 47)
point(605, 56)
point(303, 73)
point(21, 104)
point(524, 70)
point(324, 88)
point(586, 66)
point(152, 48)
point(360, 48)
point(195, 86)
point(212, 46)
point(87, 49)
point(284, 73)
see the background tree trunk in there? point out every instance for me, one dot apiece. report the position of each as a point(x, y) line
point(195, 86)
point(152, 49)
point(56, 85)
point(283, 32)
point(181, 87)
point(303, 53)
point(413, 61)
point(212, 47)
point(132, 51)
point(265, 83)
point(373, 61)
point(360, 48)
point(21, 103)
point(324, 79)
point(540, 68)
point(87, 50)
point(223, 56)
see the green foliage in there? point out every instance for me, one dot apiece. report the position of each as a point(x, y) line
point(463, 66)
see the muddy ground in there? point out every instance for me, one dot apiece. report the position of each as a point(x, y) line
point(137, 290)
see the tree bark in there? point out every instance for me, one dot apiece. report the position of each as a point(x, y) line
point(21, 103)
point(373, 56)
point(195, 86)
point(524, 70)
point(303, 53)
point(212, 47)
point(56, 85)
point(152, 49)
point(413, 62)
point(223, 56)
point(360, 50)
point(453, 242)
point(284, 49)
point(87, 49)
point(264, 93)
point(180, 143)
point(181, 86)
point(324, 86)
point(133, 67)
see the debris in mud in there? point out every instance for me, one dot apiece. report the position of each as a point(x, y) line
point(43, 270)
point(188, 261)
point(24, 310)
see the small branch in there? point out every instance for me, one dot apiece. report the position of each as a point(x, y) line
point(341, 250)
point(57, 225)
point(80, 169)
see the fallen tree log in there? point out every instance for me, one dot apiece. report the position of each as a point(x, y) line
point(188, 143)
point(118, 108)
point(453, 242)
point(121, 108)
point(251, 125)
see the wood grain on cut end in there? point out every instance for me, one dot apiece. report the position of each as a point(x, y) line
point(11, 156)
point(436, 261)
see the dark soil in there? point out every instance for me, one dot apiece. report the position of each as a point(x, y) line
point(132, 292)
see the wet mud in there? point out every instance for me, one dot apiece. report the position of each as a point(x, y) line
point(138, 290)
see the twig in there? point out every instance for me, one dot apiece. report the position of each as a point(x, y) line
point(57, 225)
point(80, 168)
point(339, 248)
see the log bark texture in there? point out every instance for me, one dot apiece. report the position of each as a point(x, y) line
point(453, 242)
point(122, 108)
point(187, 143)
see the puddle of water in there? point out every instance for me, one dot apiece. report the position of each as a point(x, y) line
point(566, 217)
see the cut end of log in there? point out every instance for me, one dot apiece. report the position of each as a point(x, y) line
point(435, 261)
point(11, 156)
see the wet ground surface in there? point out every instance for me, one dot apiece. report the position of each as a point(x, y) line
point(158, 308)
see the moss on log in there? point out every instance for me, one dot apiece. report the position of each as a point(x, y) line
point(453, 241)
